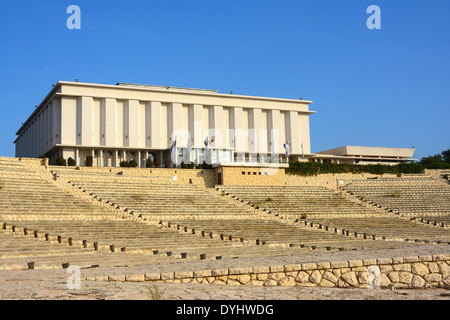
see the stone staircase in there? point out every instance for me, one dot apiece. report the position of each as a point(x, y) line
point(423, 199)
point(324, 209)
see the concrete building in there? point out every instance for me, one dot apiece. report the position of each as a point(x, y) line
point(364, 155)
point(114, 123)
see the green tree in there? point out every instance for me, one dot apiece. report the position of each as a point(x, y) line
point(446, 155)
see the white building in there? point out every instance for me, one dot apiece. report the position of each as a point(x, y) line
point(114, 123)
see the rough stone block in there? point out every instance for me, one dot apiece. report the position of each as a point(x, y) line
point(329, 276)
point(183, 274)
point(287, 282)
point(243, 278)
point(309, 266)
point(433, 277)
point(302, 277)
point(219, 272)
point(116, 278)
point(277, 269)
point(433, 267)
point(393, 276)
point(167, 276)
point(350, 278)
point(427, 258)
point(292, 267)
point(152, 276)
point(315, 277)
point(405, 277)
point(262, 276)
point(397, 260)
point(417, 281)
point(386, 268)
point(402, 267)
point(369, 262)
point(261, 269)
point(411, 259)
point(381, 261)
point(327, 283)
point(246, 270)
point(339, 264)
point(135, 278)
point(324, 265)
point(202, 273)
point(277, 276)
point(355, 263)
point(419, 268)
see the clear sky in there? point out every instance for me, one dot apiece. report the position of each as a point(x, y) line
point(388, 87)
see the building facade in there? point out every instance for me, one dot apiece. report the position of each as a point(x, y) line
point(115, 123)
point(364, 155)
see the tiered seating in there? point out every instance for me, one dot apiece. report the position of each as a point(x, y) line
point(35, 208)
point(156, 201)
point(420, 197)
point(275, 233)
point(186, 207)
point(296, 202)
point(390, 228)
point(327, 210)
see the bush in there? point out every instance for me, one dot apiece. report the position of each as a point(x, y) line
point(125, 164)
point(71, 162)
point(60, 161)
point(206, 166)
point(89, 161)
point(149, 163)
point(315, 168)
point(133, 163)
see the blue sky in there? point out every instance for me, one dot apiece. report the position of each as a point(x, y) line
point(388, 87)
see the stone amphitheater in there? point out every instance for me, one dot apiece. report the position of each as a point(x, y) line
point(127, 226)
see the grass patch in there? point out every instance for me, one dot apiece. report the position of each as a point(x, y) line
point(139, 197)
point(155, 293)
point(394, 195)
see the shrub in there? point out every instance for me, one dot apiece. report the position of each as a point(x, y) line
point(89, 161)
point(125, 164)
point(315, 168)
point(206, 166)
point(167, 163)
point(60, 161)
point(149, 163)
point(133, 163)
point(71, 162)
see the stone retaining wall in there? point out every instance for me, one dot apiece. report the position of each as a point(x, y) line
point(401, 272)
point(198, 177)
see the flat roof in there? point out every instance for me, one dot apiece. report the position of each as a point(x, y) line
point(384, 152)
point(132, 86)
